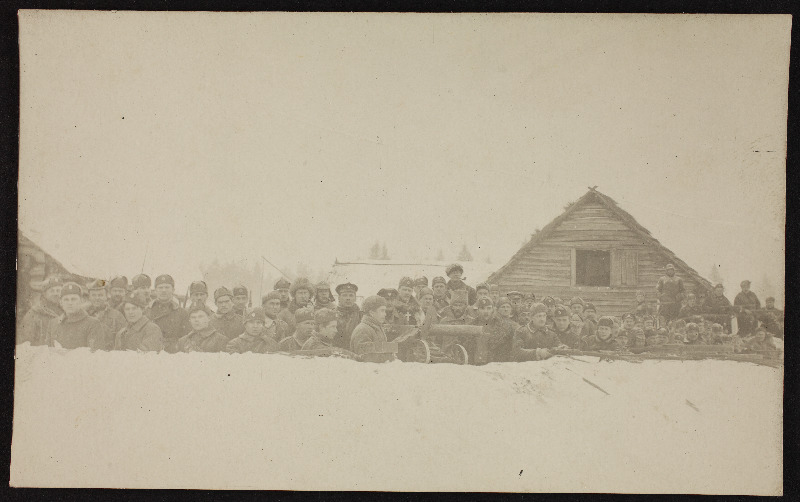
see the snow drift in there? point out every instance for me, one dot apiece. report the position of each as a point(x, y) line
point(272, 421)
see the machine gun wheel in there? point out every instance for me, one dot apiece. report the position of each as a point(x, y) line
point(459, 354)
point(420, 352)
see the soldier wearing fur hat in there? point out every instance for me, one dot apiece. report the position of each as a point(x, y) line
point(198, 294)
point(75, 328)
point(282, 286)
point(440, 299)
point(241, 298)
point(670, 293)
point(117, 289)
point(204, 337)
point(142, 282)
point(494, 346)
point(141, 333)
point(406, 308)
point(718, 308)
point(103, 312)
point(323, 297)
point(225, 319)
point(532, 341)
point(603, 339)
point(167, 314)
point(348, 314)
point(324, 332)
point(419, 283)
point(305, 326)
point(35, 325)
point(455, 272)
point(370, 330)
point(256, 337)
point(277, 327)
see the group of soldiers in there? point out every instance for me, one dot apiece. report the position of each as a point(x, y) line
point(146, 315)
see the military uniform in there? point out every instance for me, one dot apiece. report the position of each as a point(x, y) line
point(494, 346)
point(258, 344)
point(718, 308)
point(289, 344)
point(747, 303)
point(79, 330)
point(347, 318)
point(528, 342)
point(171, 319)
point(228, 324)
point(205, 340)
point(112, 318)
point(143, 335)
point(35, 325)
point(593, 342)
point(570, 337)
point(365, 335)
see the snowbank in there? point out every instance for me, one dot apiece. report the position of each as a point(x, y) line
point(271, 421)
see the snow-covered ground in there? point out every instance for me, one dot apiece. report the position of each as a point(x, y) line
point(272, 421)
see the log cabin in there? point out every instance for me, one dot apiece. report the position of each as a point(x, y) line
point(597, 251)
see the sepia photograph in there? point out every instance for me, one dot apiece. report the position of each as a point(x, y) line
point(396, 252)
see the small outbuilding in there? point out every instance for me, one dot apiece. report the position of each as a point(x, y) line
point(597, 251)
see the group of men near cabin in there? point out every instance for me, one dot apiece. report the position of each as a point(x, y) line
point(145, 315)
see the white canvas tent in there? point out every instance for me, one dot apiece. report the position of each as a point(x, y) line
point(373, 275)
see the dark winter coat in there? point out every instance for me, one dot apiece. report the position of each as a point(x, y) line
point(143, 335)
point(206, 340)
point(570, 337)
point(228, 324)
point(365, 335)
point(35, 325)
point(347, 318)
point(287, 317)
point(172, 320)
point(290, 344)
point(527, 340)
point(593, 342)
point(259, 344)
point(79, 330)
point(113, 319)
point(747, 300)
point(494, 346)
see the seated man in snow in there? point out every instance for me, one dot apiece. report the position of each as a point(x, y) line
point(370, 330)
point(532, 341)
point(75, 328)
point(203, 337)
point(141, 333)
point(305, 326)
point(255, 337)
point(603, 339)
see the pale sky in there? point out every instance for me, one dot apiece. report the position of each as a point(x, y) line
point(307, 137)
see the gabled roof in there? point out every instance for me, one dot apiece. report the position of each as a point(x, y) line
point(593, 196)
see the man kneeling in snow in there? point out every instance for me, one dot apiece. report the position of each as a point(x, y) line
point(532, 340)
point(256, 337)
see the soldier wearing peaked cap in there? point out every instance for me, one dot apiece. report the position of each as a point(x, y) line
point(140, 334)
point(225, 319)
point(117, 289)
point(518, 307)
point(349, 315)
point(75, 328)
point(256, 337)
point(203, 337)
point(101, 310)
point(323, 297)
point(35, 324)
point(406, 307)
point(241, 298)
point(455, 272)
point(276, 326)
point(167, 314)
